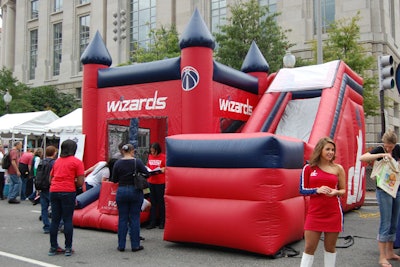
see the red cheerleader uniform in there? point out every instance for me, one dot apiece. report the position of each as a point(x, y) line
point(324, 213)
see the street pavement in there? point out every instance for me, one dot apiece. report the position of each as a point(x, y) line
point(22, 243)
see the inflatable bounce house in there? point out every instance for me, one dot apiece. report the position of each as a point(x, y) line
point(236, 141)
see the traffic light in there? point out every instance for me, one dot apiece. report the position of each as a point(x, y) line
point(386, 72)
point(119, 23)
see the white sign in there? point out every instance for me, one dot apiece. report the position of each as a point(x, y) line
point(80, 141)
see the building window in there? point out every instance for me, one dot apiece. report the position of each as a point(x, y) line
point(143, 19)
point(84, 32)
point(396, 112)
point(33, 53)
point(57, 48)
point(81, 2)
point(57, 5)
point(271, 5)
point(34, 9)
point(78, 93)
point(392, 19)
point(218, 14)
point(327, 14)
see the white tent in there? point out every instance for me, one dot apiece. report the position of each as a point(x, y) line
point(70, 123)
point(21, 125)
point(26, 123)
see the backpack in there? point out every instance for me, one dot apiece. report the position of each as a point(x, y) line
point(42, 181)
point(6, 161)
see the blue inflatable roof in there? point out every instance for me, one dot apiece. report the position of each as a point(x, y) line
point(255, 61)
point(196, 33)
point(235, 78)
point(155, 71)
point(96, 52)
point(229, 151)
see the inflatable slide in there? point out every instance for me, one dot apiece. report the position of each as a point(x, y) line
point(242, 190)
point(96, 208)
point(235, 141)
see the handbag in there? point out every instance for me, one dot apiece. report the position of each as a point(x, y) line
point(387, 174)
point(139, 180)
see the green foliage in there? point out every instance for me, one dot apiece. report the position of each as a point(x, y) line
point(164, 43)
point(48, 98)
point(26, 99)
point(18, 91)
point(250, 21)
point(343, 43)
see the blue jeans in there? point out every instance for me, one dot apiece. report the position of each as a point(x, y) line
point(129, 201)
point(24, 180)
point(88, 186)
point(32, 196)
point(389, 209)
point(45, 203)
point(15, 186)
point(62, 207)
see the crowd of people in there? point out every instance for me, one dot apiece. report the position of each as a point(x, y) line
point(322, 180)
point(65, 173)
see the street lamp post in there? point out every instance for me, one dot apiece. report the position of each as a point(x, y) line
point(7, 99)
point(289, 60)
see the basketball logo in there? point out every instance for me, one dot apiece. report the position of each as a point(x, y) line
point(190, 78)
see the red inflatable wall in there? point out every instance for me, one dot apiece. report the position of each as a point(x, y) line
point(234, 190)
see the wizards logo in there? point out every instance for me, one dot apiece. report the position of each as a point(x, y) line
point(190, 78)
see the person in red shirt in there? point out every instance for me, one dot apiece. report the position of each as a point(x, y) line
point(14, 173)
point(25, 166)
point(156, 181)
point(66, 175)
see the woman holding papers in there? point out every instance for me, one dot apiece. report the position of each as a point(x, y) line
point(156, 164)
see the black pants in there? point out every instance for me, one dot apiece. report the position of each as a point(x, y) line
point(157, 203)
point(1, 185)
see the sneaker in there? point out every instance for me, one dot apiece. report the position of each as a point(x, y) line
point(13, 201)
point(46, 231)
point(54, 251)
point(137, 249)
point(151, 226)
point(68, 252)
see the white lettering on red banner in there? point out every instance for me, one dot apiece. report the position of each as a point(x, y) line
point(151, 103)
point(236, 107)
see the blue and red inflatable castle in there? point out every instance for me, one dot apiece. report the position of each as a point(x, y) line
point(236, 141)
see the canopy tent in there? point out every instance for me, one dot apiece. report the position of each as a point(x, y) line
point(70, 123)
point(26, 123)
point(21, 125)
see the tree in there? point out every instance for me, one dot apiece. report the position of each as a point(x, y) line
point(48, 98)
point(250, 21)
point(164, 43)
point(27, 99)
point(18, 91)
point(343, 43)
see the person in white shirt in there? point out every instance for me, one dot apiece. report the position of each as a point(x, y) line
point(96, 174)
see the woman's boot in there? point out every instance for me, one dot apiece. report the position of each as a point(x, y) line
point(329, 259)
point(307, 260)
